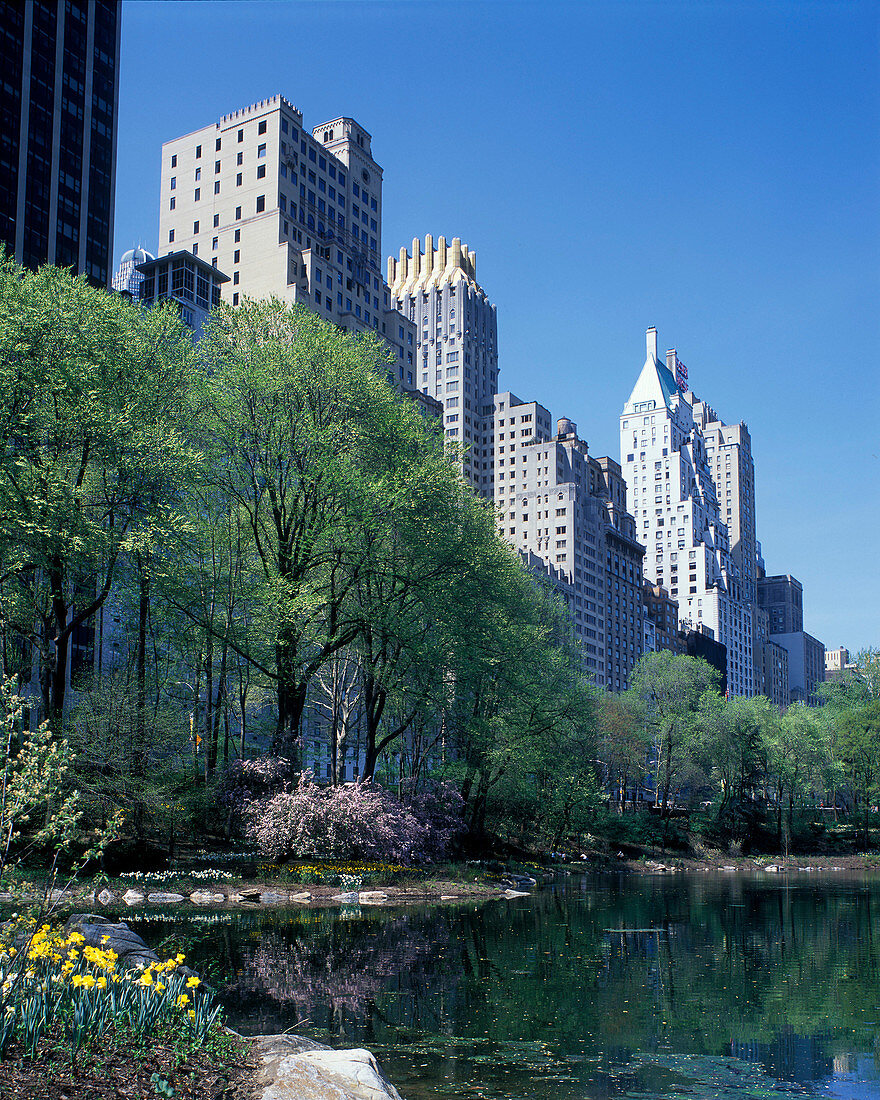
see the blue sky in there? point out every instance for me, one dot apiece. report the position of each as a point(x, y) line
point(708, 168)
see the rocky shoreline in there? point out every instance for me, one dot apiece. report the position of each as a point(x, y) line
point(769, 865)
point(256, 895)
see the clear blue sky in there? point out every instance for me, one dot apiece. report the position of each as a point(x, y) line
point(708, 168)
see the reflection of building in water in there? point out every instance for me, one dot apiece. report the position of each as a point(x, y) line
point(789, 1057)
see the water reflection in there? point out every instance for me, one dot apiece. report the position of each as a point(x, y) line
point(650, 987)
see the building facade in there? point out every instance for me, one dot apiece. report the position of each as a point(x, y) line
point(674, 500)
point(59, 105)
point(806, 665)
point(782, 597)
point(662, 611)
point(286, 212)
point(555, 502)
point(185, 279)
point(456, 335)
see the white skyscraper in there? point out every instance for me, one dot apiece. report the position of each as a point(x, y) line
point(673, 495)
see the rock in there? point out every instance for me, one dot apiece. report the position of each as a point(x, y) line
point(161, 898)
point(105, 897)
point(270, 897)
point(350, 897)
point(294, 1069)
point(128, 945)
point(728, 868)
point(515, 894)
point(132, 897)
point(771, 869)
point(205, 897)
point(249, 893)
point(301, 899)
point(372, 897)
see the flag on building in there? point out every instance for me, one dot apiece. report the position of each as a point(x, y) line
point(681, 375)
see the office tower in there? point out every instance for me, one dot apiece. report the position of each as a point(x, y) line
point(662, 612)
point(286, 212)
point(128, 278)
point(58, 105)
point(456, 356)
point(781, 598)
point(673, 499)
point(557, 503)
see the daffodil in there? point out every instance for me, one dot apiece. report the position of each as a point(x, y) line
point(193, 983)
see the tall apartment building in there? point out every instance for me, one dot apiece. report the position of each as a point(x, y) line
point(673, 498)
point(59, 88)
point(781, 599)
point(556, 502)
point(286, 212)
point(128, 278)
point(456, 344)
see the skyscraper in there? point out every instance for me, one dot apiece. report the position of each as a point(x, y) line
point(286, 212)
point(456, 344)
point(58, 110)
point(674, 500)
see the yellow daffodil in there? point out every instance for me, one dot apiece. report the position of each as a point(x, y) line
point(182, 1000)
point(193, 983)
point(101, 982)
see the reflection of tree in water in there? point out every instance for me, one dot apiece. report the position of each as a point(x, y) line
point(330, 975)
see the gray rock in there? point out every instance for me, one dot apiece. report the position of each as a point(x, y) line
point(294, 1071)
point(105, 897)
point(515, 894)
point(372, 897)
point(129, 947)
point(302, 898)
point(772, 869)
point(205, 897)
point(161, 898)
point(132, 897)
point(271, 897)
point(350, 897)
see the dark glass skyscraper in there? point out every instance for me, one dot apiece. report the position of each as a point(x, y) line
point(59, 85)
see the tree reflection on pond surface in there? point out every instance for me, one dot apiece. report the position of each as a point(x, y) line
point(704, 986)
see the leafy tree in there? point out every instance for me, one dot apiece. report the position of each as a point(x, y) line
point(311, 448)
point(91, 386)
point(667, 688)
point(794, 749)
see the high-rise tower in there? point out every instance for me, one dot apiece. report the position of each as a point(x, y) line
point(58, 109)
point(673, 495)
point(286, 212)
point(456, 343)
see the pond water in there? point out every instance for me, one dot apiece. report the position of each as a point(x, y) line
point(700, 986)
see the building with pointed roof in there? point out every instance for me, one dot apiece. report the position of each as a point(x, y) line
point(673, 497)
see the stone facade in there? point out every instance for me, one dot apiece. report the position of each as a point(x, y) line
point(456, 355)
point(674, 501)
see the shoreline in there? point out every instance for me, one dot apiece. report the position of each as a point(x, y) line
point(773, 865)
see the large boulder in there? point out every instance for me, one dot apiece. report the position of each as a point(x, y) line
point(299, 1069)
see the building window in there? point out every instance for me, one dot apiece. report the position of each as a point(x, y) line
point(173, 203)
point(235, 278)
point(238, 179)
point(261, 172)
point(216, 167)
point(195, 228)
point(235, 299)
point(261, 129)
point(216, 220)
point(174, 183)
point(214, 243)
point(238, 213)
point(236, 256)
point(217, 145)
point(197, 195)
point(261, 203)
point(174, 161)
point(198, 151)
point(198, 173)
point(170, 236)
point(261, 151)
point(241, 135)
point(216, 187)
point(237, 235)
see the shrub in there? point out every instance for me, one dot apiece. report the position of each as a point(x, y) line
point(247, 781)
point(354, 821)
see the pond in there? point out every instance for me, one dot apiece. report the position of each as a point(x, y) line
point(593, 987)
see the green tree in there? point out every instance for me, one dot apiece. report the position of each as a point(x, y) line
point(666, 689)
point(92, 388)
point(794, 750)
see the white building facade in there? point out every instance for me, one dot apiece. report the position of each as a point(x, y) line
point(673, 497)
point(286, 212)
